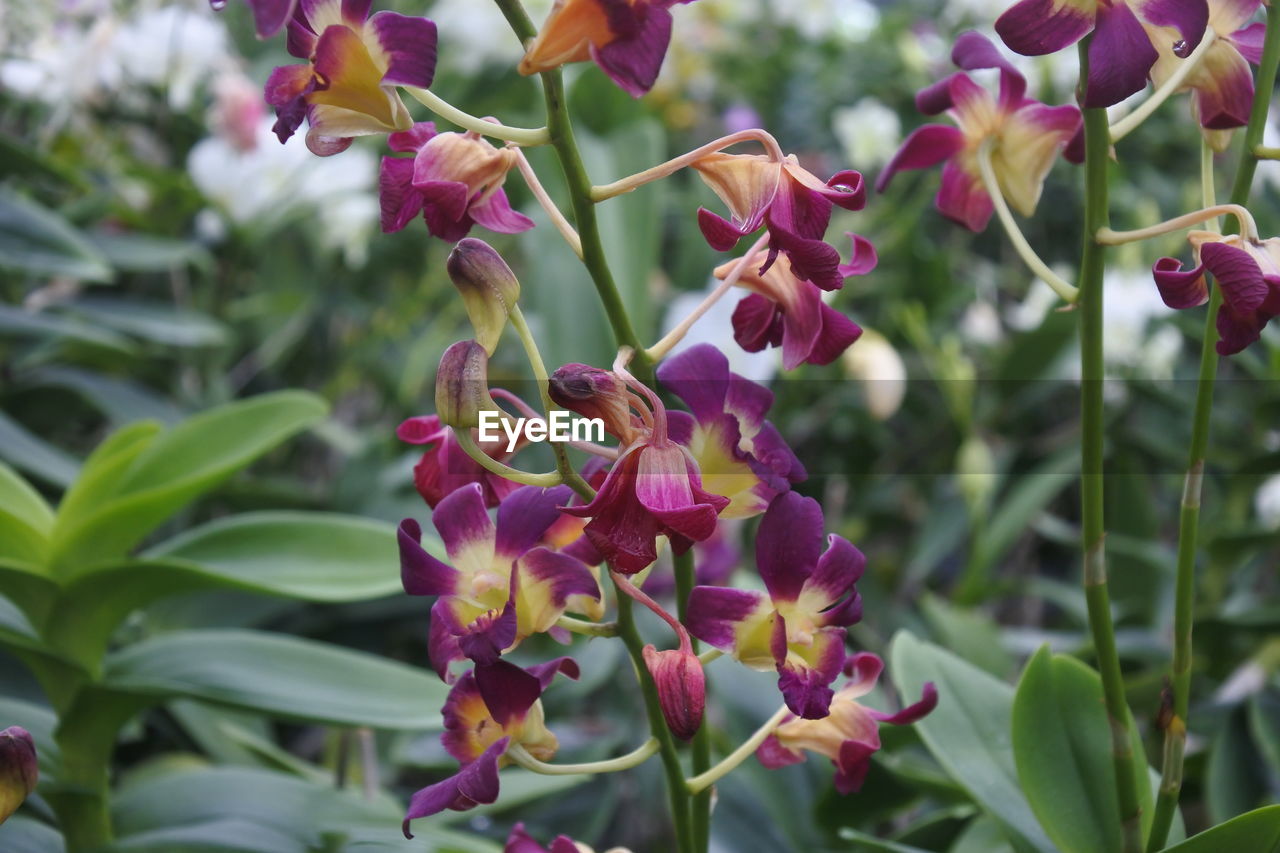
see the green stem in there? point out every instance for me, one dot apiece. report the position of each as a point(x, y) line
point(703, 781)
point(657, 725)
point(1093, 529)
point(636, 757)
point(493, 466)
point(701, 805)
point(1175, 736)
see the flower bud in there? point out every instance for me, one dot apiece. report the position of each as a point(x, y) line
point(488, 286)
point(878, 366)
point(976, 473)
point(682, 688)
point(18, 771)
point(594, 393)
point(462, 386)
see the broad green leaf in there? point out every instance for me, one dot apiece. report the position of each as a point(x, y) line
point(21, 834)
point(121, 401)
point(969, 732)
point(228, 834)
point(157, 323)
point(132, 252)
point(279, 675)
point(1062, 747)
point(1255, 832)
point(174, 469)
point(1026, 499)
point(969, 633)
point(868, 842)
point(35, 240)
point(25, 519)
point(34, 455)
point(100, 475)
point(45, 325)
point(1234, 778)
point(982, 835)
point(1264, 726)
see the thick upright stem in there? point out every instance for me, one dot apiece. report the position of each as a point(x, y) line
point(701, 816)
point(1093, 530)
point(1175, 735)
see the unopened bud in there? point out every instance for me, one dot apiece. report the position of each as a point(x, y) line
point(488, 286)
point(875, 362)
point(594, 393)
point(462, 385)
point(682, 688)
point(18, 773)
point(976, 473)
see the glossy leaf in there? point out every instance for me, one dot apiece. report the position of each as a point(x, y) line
point(1255, 832)
point(25, 519)
point(35, 240)
point(32, 454)
point(21, 834)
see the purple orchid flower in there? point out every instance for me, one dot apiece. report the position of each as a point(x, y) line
point(627, 40)
point(850, 734)
point(1024, 135)
point(454, 180)
point(269, 16)
point(1248, 273)
point(19, 769)
point(502, 587)
point(354, 62)
point(520, 841)
point(789, 201)
point(488, 711)
point(798, 627)
point(445, 467)
point(1121, 53)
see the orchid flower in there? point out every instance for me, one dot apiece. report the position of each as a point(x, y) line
point(789, 201)
point(1248, 273)
point(739, 454)
point(520, 841)
point(269, 16)
point(488, 711)
point(354, 62)
point(798, 626)
point(628, 40)
point(502, 587)
point(1022, 136)
point(850, 734)
point(19, 769)
point(787, 311)
point(1121, 53)
point(445, 467)
point(454, 180)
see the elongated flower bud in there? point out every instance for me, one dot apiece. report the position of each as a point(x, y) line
point(18, 771)
point(488, 286)
point(594, 393)
point(682, 688)
point(462, 386)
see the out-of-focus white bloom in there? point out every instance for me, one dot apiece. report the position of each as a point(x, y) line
point(852, 20)
point(1131, 303)
point(1030, 312)
point(869, 132)
point(1266, 501)
point(238, 109)
point(64, 64)
point(874, 362)
point(478, 35)
point(1269, 170)
point(981, 324)
point(716, 328)
point(173, 48)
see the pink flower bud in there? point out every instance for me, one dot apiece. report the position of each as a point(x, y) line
point(682, 688)
point(594, 392)
point(488, 286)
point(18, 771)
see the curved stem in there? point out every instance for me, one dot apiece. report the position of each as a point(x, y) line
point(1021, 246)
point(686, 578)
point(588, 629)
point(1124, 126)
point(626, 586)
point(709, 655)
point(705, 780)
point(527, 136)
point(540, 193)
point(643, 753)
point(1263, 152)
point(493, 466)
point(659, 351)
point(1246, 226)
point(1093, 437)
point(662, 170)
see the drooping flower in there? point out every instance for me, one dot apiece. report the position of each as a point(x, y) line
point(1222, 82)
point(789, 201)
point(653, 489)
point(18, 769)
point(445, 467)
point(502, 586)
point(354, 63)
point(681, 685)
point(786, 311)
point(520, 841)
point(454, 180)
point(627, 38)
point(850, 734)
point(798, 626)
point(740, 454)
point(1121, 53)
point(1248, 273)
point(1023, 137)
point(488, 711)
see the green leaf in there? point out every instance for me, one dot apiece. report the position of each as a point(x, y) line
point(1255, 832)
point(174, 469)
point(158, 323)
point(100, 475)
point(228, 834)
point(969, 732)
point(1264, 726)
point(1234, 778)
point(121, 401)
point(131, 252)
point(35, 240)
point(969, 633)
point(25, 519)
point(1063, 753)
point(982, 835)
point(868, 842)
point(44, 325)
point(283, 676)
point(34, 455)
point(21, 834)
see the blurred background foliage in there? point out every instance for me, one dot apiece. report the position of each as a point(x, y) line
point(162, 254)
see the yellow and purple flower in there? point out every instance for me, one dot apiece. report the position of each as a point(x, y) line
point(1248, 273)
point(269, 16)
point(445, 467)
point(850, 734)
point(488, 711)
point(784, 310)
point(1023, 137)
point(354, 63)
point(1121, 53)
point(502, 586)
point(454, 180)
point(739, 454)
point(520, 841)
point(627, 38)
point(792, 203)
point(798, 626)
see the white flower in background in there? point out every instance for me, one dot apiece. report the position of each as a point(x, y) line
point(1131, 307)
point(716, 328)
point(852, 20)
point(1269, 170)
point(874, 362)
point(869, 132)
point(63, 64)
point(1266, 502)
point(174, 49)
point(478, 35)
point(238, 109)
point(981, 324)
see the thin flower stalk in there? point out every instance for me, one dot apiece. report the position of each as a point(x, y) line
point(703, 781)
point(635, 758)
point(493, 466)
point(1245, 224)
point(1124, 126)
point(524, 136)
point(587, 629)
point(553, 212)
point(663, 170)
point(686, 578)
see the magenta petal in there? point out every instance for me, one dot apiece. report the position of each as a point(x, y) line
point(507, 690)
point(423, 429)
point(699, 376)
point(270, 16)
point(807, 691)
point(801, 326)
point(525, 515)
point(837, 571)
point(1038, 27)
point(862, 258)
point(490, 634)
point(442, 640)
point(1180, 288)
point(721, 234)
point(1228, 98)
point(1249, 41)
point(546, 672)
point(847, 190)
point(412, 140)
point(773, 754)
point(936, 98)
point(1243, 287)
point(421, 573)
point(463, 521)
point(448, 198)
point(852, 765)
point(715, 611)
point(911, 713)
point(788, 544)
point(1120, 56)
point(633, 60)
point(926, 146)
point(837, 335)
point(974, 51)
point(757, 323)
point(1237, 331)
point(962, 198)
point(496, 214)
point(399, 201)
point(410, 47)
point(474, 784)
point(563, 575)
point(1188, 17)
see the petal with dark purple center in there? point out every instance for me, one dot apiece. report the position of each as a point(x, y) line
point(1038, 27)
point(634, 60)
point(410, 48)
point(1238, 274)
point(788, 544)
point(1180, 288)
point(926, 146)
point(421, 573)
point(525, 515)
point(473, 785)
point(715, 612)
point(1120, 56)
